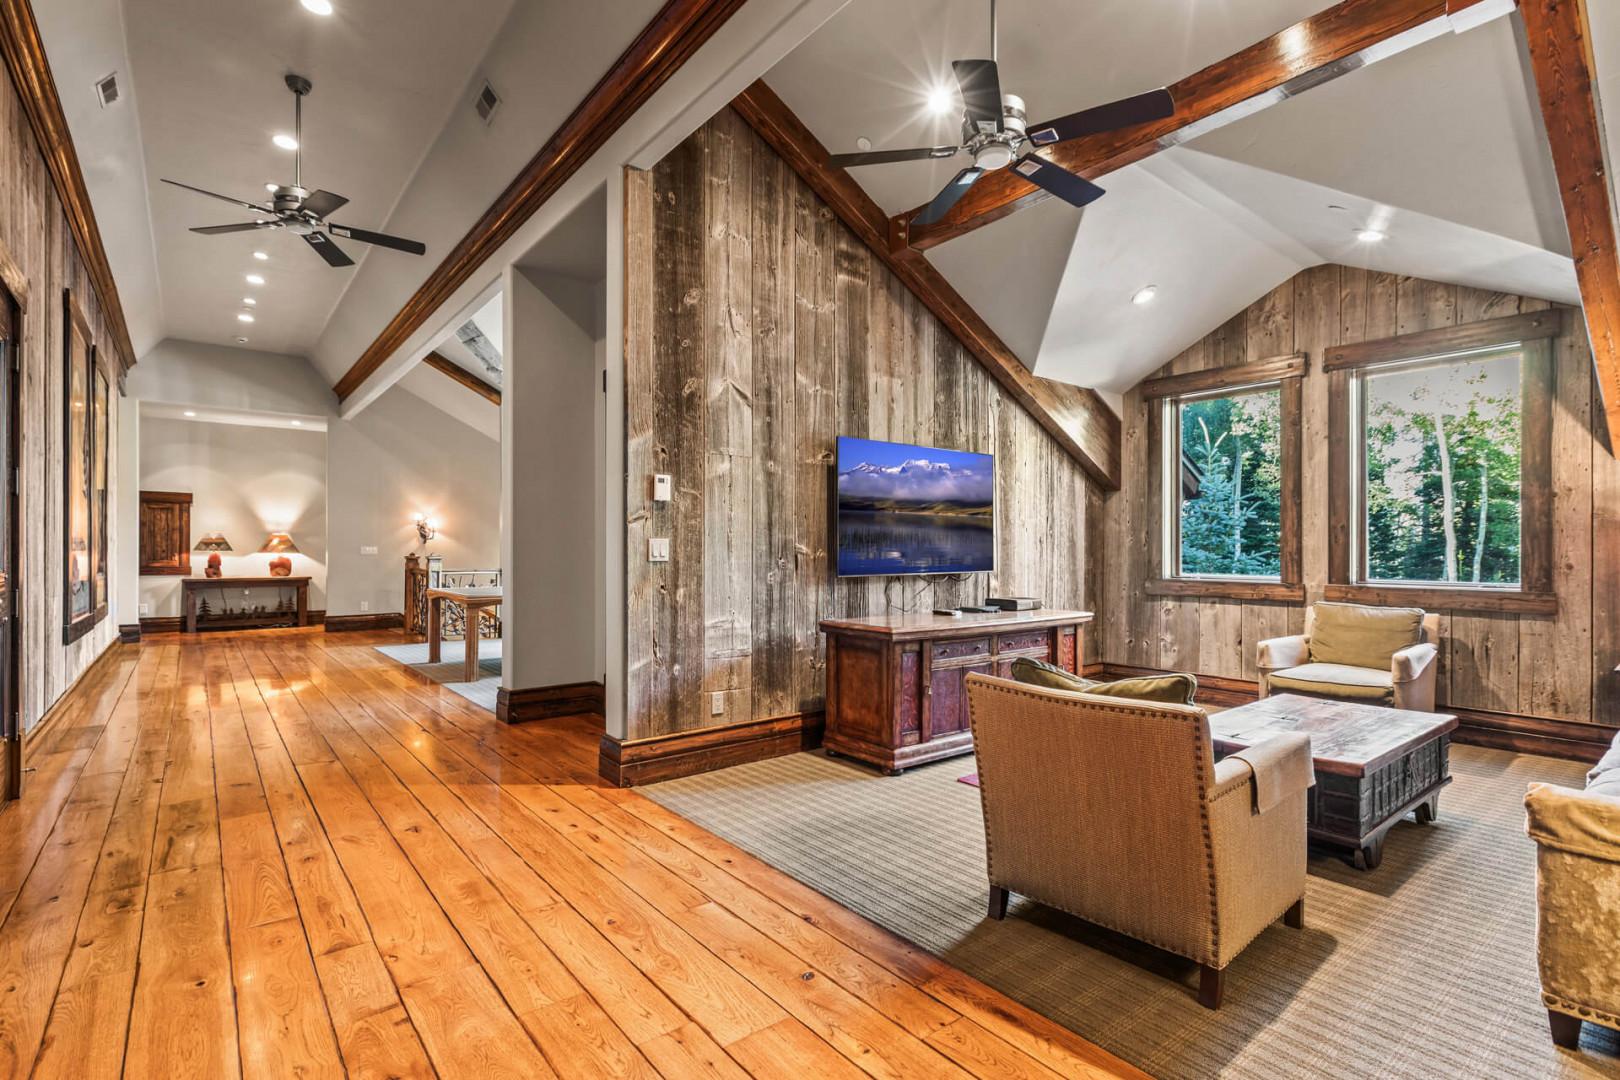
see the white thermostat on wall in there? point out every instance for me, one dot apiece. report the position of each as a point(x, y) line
point(663, 487)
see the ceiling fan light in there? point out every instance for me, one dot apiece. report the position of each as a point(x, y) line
point(285, 141)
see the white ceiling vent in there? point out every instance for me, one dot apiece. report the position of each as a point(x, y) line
point(107, 91)
point(488, 101)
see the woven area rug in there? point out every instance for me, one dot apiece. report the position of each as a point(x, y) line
point(448, 669)
point(1422, 968)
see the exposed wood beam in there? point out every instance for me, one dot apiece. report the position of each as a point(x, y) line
point(439, 362)
point(1078, 418)
point(679, 29)
point(1561, 56)
point(31, 75)
point(1341, 39)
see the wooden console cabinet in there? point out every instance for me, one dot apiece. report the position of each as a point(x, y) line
point(895, 695)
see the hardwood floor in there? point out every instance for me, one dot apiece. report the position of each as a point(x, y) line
point(283, 854)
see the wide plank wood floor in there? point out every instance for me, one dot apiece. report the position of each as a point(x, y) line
point(282, 854)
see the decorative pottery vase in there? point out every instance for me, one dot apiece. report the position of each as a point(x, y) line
point(213, 569)
point(281, 566)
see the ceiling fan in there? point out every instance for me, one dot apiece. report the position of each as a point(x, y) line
point(300, 211)
point(996, 133)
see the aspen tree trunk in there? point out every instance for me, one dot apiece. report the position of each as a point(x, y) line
point(1448, 499)
point(1484, 509)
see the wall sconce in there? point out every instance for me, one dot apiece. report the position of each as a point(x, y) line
point(427, 528)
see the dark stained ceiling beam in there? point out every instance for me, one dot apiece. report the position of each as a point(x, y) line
point(1346, 36)
point(1561, 56)
point(1078, 418)
point(439, 362)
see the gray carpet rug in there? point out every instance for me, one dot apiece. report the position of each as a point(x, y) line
point(1422, 968)
point(448, 669)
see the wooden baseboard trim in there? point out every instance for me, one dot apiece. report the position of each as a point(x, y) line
point(175, 624)
point(129, 633)
point(1568, 739)
point(162, 624)
point(386, 620)
point(687, 753)
point(545, 702)
point(32, 738)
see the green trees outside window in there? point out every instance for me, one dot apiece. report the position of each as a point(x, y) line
point(1441, 453)
point(1231, 525)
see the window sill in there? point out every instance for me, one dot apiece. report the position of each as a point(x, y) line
point(1440, 598)
point(1217, 589)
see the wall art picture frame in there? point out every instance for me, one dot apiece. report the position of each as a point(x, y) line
point(100, 437)
point(78, 586)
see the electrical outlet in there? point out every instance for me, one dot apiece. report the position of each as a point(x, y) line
point(658, 549)
point(717, 703)
point(365, 605)
point(368, 549)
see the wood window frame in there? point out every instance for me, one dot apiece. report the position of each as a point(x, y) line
point(1533, 332)
point(1284, 373)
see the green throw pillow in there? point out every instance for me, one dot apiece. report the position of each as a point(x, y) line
point(1362, 636)
point(1175, 689)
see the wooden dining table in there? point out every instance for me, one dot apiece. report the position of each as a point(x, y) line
point(473, 600)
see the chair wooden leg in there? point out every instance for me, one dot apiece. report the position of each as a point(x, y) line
point(1294, 917)
point(1211, 985)
point(1566, 1029)
point(998, 902)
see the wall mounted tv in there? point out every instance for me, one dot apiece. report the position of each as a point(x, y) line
point(903, 509)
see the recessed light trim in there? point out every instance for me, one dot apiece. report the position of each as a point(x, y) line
point(1371, 236)
point(319, 7)
point(244, 317)
point(285, 141)
point(249, 301)
point(261, 256)
point(1144, 295)
point(255, 279)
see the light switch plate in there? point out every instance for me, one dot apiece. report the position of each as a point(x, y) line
point(658, 549)
point(663, 487)
point(717, 703)
point(146, 609)
point(368, 549)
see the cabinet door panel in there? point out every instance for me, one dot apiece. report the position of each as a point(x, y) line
point(947, 710)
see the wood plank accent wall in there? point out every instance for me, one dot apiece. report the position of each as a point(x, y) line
point(1550, 667)
point(758, 329)
point(37, 238)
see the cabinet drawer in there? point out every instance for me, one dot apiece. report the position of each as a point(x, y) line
point(1027, 639)
point(952, 650)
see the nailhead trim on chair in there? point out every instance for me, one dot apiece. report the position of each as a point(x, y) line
point(1565, 1005)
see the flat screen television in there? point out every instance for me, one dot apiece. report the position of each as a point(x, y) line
point(903, 509)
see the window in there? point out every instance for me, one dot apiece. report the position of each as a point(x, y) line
point(1226, 447)
point(1439, 480)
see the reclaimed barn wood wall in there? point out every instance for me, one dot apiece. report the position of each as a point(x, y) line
point(758, 329)
point(1552, 667)
point(34, 233)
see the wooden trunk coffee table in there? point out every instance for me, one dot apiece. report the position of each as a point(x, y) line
point(1373, 764)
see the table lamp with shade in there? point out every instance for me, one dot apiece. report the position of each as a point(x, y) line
point(213, 543)
point(280, 545)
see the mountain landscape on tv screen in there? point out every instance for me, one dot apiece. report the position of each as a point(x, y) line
point(918, 486)
point(914, 510)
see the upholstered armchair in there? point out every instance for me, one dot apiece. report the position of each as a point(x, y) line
point(1380, 656)
point(1116, 811)
point(1577, 835)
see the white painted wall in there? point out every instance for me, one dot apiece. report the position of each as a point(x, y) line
point(399, 458)
point(550, 489)
point(216, 376)
point(246, 482)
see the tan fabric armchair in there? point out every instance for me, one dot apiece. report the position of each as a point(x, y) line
point(1115, 811)
point(1577, 835)
point(1405, 680)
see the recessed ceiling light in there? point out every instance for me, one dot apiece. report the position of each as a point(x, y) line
point(285, 141)
point(244, 317)
point(1370, 236)
point(249, 301)
point(939, 100)
point(241, 341)
point(319, 7)
point(1145, 294)
point(271, 188)
point(255, 279)
point(261, 256)
point(297, 423)
point(863, 144)
point(191, 412)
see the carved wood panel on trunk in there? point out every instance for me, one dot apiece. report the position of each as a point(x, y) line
point(758, 330)
point(1555, 667)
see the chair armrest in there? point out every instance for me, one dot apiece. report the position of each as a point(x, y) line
point(1573, 821)
point(1409, 663)
point(1284, 652)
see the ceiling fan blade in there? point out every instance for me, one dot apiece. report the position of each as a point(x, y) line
point(1072, 189)
point(885, 157)
point(981, 93)
point(326, 249)
point(1126, 112)
point(246, 226)
point(948, 196)
point(415, 247)
point(321, 203)
point(255, 207)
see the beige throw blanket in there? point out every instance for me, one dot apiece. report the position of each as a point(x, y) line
point(1280, 768)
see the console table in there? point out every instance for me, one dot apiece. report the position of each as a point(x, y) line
point(191, 587)
point(895, 695)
